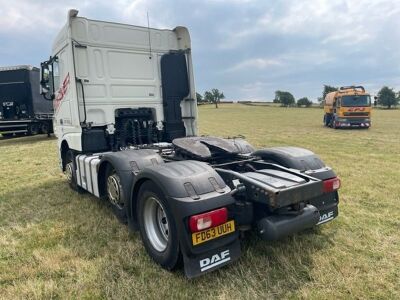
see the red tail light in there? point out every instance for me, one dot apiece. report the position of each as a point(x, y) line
point(331, 185)
point(209, 219)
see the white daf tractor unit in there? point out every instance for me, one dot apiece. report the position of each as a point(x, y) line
point(126, 122)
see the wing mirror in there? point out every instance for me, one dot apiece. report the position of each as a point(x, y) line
point(46, 79)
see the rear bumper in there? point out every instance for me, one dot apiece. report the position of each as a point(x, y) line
point(215, 253)
point(319, 211)
point(275, 227)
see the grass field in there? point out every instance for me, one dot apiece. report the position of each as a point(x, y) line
point(55, 243)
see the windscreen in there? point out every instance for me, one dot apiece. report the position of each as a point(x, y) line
point(356, 100)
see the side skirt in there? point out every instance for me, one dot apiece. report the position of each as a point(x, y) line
point(86, 173)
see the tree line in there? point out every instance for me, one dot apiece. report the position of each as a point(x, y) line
point(385, 97)
point(287, 99)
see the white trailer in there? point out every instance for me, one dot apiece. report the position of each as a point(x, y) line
point(126, 122)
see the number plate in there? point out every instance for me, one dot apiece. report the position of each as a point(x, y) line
point(213, 233)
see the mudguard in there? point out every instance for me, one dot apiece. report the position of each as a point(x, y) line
point(192, 187)
point(306, 162)
point(127, 164)
point(297, 158)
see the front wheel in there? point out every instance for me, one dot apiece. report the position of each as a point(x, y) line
point(157, 226)
point(334, 123)
point(327, 120)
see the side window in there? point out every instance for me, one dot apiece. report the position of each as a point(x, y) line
point(50, 78)
point(56, 75)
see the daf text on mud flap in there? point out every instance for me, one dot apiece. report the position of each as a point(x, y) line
point(215, 260)
point(325, 217)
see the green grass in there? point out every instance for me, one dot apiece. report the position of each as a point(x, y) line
point(55, 243)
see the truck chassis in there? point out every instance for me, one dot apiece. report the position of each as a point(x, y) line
point(41, 124)
point(191, 199)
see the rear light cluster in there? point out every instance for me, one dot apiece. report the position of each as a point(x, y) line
point(331, 184)
point(209, 219)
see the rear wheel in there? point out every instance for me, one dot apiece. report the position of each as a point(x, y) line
point(45, 128)
point(157, 226)
point(33, 129)
point(115, 193)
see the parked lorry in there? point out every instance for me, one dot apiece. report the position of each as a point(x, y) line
point(126, 123)
point(350, 106)
point(22, 109)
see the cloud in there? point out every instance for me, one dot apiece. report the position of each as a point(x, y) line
point(246, 48)
point(254, 63)
point(26, 17)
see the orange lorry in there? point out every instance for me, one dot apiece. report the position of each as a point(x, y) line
point(350, 106)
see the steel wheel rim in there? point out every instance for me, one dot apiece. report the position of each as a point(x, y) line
point(69, 171)
point(156, 223)
point(114, 189)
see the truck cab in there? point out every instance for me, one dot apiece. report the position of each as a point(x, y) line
point(348, 107)
point(116, 84)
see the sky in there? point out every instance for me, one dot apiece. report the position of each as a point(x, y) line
point(248, 49)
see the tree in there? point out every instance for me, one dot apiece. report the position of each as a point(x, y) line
point(327, 89)
point(387, 97)
point(277, 96)
point(208, 97)
point(304, 101)
point(214, 96)
point(199, 98)
point(285, 98)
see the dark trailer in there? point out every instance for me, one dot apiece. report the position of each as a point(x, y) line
point(22, 109)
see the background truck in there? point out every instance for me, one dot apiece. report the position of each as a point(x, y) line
point(22, 109)
point(350, 106)
point(126, 119)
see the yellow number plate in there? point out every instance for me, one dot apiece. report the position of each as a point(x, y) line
point(213, 233)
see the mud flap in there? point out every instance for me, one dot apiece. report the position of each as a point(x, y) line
point(212, 260)
point(328, 214)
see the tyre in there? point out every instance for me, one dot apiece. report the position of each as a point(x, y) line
point(115, 193)
point(33, 129)
point(7, 135)
point(327, 120)
point(157, 226)
point(334, 123)
point(45, 128)
point(70, 171)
